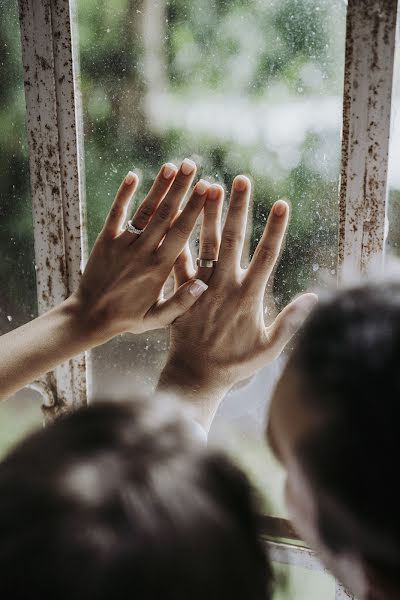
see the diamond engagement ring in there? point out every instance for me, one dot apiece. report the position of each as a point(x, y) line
point(132, 229)
point(203, 262)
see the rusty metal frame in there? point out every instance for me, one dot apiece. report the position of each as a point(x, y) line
point(368, 83)
point(51, 94)
point(298, 556)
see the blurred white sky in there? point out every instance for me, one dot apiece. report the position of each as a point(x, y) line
point(280, 128)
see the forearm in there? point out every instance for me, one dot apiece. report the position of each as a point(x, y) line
point(203, 394)
point(42, 344)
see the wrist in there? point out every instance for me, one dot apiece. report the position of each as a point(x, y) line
point(90, 331)
point(184, 377)
point(204, 391)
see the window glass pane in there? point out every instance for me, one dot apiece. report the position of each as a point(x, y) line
point(240, 86)
point(17, 272)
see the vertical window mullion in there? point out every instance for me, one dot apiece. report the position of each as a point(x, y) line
point(50, 91)
point(370, 48)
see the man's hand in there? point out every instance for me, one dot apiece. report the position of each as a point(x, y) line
point(223, 338)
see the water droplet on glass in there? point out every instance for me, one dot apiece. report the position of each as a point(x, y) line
point(9, 318)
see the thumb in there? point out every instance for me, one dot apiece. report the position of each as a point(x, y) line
point(165, 313)
point(289, 321)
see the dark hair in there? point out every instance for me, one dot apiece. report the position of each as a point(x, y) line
point(116, 502)
point(348, 358)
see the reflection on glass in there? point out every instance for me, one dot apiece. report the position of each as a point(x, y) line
point(17, 273)
point(240, 86)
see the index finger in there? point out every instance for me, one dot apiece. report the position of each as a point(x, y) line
point(268, 249)
point(118, 210)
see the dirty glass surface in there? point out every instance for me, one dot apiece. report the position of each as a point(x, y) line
point(17, 266)
point(241, 86)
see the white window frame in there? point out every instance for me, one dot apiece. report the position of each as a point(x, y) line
point(367, 105)
point(58, 200)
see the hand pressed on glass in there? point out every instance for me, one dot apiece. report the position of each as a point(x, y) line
point(121, 288)
point(223, 338)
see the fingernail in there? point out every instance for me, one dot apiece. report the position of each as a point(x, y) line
point(241, 183)
point(201, 187)
point(130, 178)
point(188, 166)
point(214, 192)
point(280, 208)
point(197, 288)
point(169, 170)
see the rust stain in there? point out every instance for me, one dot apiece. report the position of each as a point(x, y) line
point(50, 97)
point(370, 42)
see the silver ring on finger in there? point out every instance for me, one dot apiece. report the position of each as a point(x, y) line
point(204, 262)
point(132, 229)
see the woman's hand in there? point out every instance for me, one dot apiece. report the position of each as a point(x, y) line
point(223, 338)
point(121, 288)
